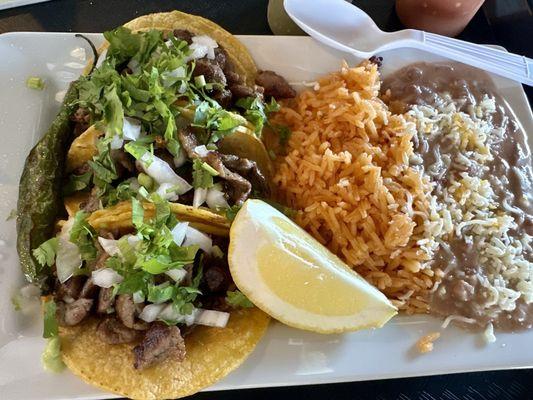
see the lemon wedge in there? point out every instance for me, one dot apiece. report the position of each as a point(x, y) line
point(288, 274)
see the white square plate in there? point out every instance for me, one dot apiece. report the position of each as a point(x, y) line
point(285, 356)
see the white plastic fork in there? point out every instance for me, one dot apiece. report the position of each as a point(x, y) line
point(346, 27)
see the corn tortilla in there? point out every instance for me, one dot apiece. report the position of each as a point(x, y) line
point(212, 353)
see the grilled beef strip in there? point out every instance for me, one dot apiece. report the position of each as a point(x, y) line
point(73, 313)
point(81, 119)
point(70, 289)
point(89, 289)
point(160, 342)
point(239, 187)
point(92, 203)
point(183, 34)
point(275, 85)
point(248, 169)
point(105, 300)
point(111, 330)
point(125, 309)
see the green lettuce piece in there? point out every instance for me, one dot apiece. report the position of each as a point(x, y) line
point(51, 357)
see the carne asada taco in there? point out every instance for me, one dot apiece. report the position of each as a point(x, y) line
point(123, 205)
point(147, 308)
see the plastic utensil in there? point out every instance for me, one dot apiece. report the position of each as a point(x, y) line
point(346, 27)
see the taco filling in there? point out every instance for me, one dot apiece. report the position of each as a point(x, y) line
point(150, 284)
point(168, 113)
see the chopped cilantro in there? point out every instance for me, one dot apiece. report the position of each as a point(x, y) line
point(34, 82)
point(232, 212)
point(82, 235)
point(238, 299)
point(77, 182)
point(45, 254)
point(202, 174)
point(283, 132)
point(160, 293)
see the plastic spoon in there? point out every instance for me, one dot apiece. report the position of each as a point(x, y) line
point(346, 27)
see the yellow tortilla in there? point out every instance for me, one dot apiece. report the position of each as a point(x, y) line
point(212, 353)
point(119, 217)
point(83, 148)
point(168, 21)
point(72, 203)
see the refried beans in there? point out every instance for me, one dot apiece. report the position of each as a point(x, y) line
point(483, 182)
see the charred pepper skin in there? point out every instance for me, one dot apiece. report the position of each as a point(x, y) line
point(40, 197)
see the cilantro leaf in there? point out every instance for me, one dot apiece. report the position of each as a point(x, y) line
point(231, 212)
point(113, 112)
point(136, 149)
point(157, 265)
point(77, 182)
point(45, 254)
point(82, 235)
point(103, 166)
point(50, 320)
point(137, 213)
point(257, 112)
point(283, 132)
point(238, 299)
point(160, 293)
point(202, 174)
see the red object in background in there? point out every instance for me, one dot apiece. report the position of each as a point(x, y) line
point(445, 17)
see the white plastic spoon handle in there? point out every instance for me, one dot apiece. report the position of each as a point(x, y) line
point(509, 65)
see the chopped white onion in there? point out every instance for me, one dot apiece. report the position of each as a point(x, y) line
point(68, 259)
point(131, 129)
point(217, 252)
point(138, 297)
point(110, 246)
point(176, 274)
point(179, 232)
point(167, 192)
point(180, 159)
point(27, 300)
point(218, 319)
point(169, 313)
point(134, 240)
point(106, 277)
point(202, 151)
point(161, 172)
point(197, 51)
point(183, 87)
point(215, 198)
point(151, 311)
point(195, 237)
point(208, 43)
point(134, 66)
point(200, 195)
point(116, 142)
